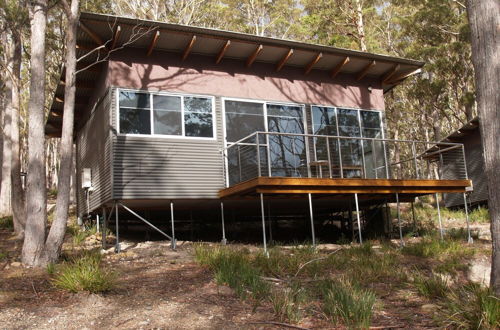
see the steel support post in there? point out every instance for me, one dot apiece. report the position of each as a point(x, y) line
point(399, 221)
point(173, 241)
point(97, 223)
point(104, 228)
point(312, 220)
point(414, 218)
point(224, 241)
point(117, 246)
point(269, 223)
point(441, 234)
point(263, 223)
point(469, 237)
point(357, 216)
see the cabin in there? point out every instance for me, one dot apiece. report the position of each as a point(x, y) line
point(470, 136)
point(178, 125)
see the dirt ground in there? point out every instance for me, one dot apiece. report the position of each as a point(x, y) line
point(163, 289)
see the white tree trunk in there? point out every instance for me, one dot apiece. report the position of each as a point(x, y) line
point(58, 228)
point(36, 197)
point(484, 19)
point(360, 26)
point(18, 197)
point(5, 185)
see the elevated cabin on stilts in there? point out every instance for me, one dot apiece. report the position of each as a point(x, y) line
point(178, 125)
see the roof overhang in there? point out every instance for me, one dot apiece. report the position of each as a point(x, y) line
point(108, 32)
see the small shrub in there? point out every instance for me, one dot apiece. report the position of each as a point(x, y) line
point(480, 215)
point(434, 286)
point(346, 303)
point(473, 307)
point(79, 235)
point(6, 223)
point(84, 273)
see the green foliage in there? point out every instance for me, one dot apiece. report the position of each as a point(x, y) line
point(473, 307)
point(6, 223)
point(80, 234)
point(433, 247)
point(434, 286)
point(84, 273)
point(287, 263)
point(3, 255)
point(348, 304)
point(480, 215)
point(233, 267)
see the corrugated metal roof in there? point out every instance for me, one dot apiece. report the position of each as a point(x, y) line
point(176, 37)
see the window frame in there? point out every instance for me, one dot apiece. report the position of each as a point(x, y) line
point(151, 115)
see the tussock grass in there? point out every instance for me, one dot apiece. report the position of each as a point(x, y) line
point(3, 255)
point(433, 286)
point(233, 267)
point(473, 307)
point(6, 223)
point(84, 273)
point(287, 302)
point(287, 263)
point(347, 304)
point(80, 234)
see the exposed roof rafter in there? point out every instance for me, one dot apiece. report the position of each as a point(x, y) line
point(284, 60)
point(339, 66)
point(115, 37)
point(189, 47)
point(153, 42)
point(404, 76)
point(92, 34)
point(365, 70)
point(313, 62)
point(222, 51)
point(390, 73)
point(254, 55)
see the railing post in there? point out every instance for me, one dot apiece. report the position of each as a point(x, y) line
point(441, 166)
point(465, 162)
point(414, 152)
point(269, 173)
point(306, 140)
point(328, 154)
point(239, 162)
point(340, 159)
point(386, 163)
point(363, 156)
point(374, 157)
point(258, 154)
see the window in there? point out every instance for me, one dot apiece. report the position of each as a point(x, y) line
point(243, 119)
point(163, 114)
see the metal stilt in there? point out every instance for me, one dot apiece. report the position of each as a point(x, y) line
point(269, 223)
point(312, 220)
point(117, 246)
point(224, 241)
point(97, 223)
point(441, 234)
point(104, 228)
point(173, 241)
point(263, 223)
point(469, 237)
point(357, 215)
point(414, 219)
point(399, 222)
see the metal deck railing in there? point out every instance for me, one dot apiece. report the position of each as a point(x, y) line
point(323, 156)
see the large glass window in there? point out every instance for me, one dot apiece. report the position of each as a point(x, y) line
point(172, 115)
point(134, 113)
point(243, 119)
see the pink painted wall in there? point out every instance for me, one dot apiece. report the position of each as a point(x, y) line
point(231, 78)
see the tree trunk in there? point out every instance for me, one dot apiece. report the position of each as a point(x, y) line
point(58, 228)
point(484, 18)
point(360, 25)
point(5, 186)
point(36, 197)
point(18, 198)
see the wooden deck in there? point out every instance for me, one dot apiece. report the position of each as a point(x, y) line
point(327, 186)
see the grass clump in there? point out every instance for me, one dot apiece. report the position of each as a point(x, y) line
point(348, 304)
point(473, 307)
point(233, 267)
point(6, 223)
point(434, 286)
point(286, 303)
point(80, 234)
point(3, 255)
point(480, 215)
point(84, 273)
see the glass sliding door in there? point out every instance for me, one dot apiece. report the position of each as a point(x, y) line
point(287, 153)
point(373, 150)
point(324, 121)
point(242, 119)
point(351, 150)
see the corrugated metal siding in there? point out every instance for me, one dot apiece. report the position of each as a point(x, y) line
point(168, 168)
point(94, 152)
point(475, 169)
